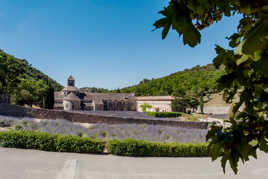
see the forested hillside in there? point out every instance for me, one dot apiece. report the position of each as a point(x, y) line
point(188, 81)
point(25, 84)
point(94, 90)
point(12, 63)
point(191, 87)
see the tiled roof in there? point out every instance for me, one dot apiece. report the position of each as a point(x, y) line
point(72, 97)
point(99, 97)
point(70, 88)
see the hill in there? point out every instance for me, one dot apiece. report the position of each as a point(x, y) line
point(10, 63)
point(194, 81)
point(94, 90)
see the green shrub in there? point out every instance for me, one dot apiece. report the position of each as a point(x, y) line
point(50, 142)
point(164, 114)
point(131, 147)
point(70, 143)
point(18, 127)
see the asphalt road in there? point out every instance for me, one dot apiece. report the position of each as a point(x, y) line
point(31, 164)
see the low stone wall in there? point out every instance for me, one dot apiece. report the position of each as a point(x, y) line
point(4, 98)
point(218, 110)
point(18, 111)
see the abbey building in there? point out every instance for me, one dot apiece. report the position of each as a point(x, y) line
point(71, 98)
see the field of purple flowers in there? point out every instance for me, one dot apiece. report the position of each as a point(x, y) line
point(107, 131)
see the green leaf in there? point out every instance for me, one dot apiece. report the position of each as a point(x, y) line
point(215, 151)
point(166, 30)
point(253, 143)
point(254, 38)
point(191, 35)
point(161, 23)
point(223, 162)
point(263, 145)
point(233, 164)
point(241, 60)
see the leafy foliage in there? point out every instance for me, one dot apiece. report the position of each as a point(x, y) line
point(94, 90)
point(29, 92)
point(50, 142)
point(164, 114)
point(145, 106)
point(190, 81)
point(48, 99)
point(246, 70)
point(12, 69)
point(189, 86)
point(182, 103)
point(131, 147)
point(25, 84)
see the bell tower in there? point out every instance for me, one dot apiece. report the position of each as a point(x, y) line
point(71, 81)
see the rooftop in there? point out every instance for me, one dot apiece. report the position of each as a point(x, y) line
point(71, 78)
point(71, 97)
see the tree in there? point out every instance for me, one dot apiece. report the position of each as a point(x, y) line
point(48, 99)
point(246, 70)
point(10, 72)
point(145, 106)
point(3, 71)
point(29, 92)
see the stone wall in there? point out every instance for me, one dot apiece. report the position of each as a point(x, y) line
point(4, 98)
point(216, 109)
point(18, 111)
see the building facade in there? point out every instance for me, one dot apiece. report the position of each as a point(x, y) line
point(71, 98)
point(156, 103)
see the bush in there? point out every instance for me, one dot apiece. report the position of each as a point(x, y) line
point(50, 142)
point(164, 114)
point(18, 127)
point(131, 147)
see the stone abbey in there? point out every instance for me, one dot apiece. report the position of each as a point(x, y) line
point(71, 98)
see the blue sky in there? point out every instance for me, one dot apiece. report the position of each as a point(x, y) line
point(102, 43)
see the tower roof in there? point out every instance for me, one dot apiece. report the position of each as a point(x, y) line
point(70, 88)
point(71, 78)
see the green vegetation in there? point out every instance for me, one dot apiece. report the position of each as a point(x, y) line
point(188, 117)
point(68, 143)
point(94, 90)
point(246, 70)
point(191, 86)
point(131, 147)
point(145, 106)
point(25, 84)
point(164, 114)
point(192, 80)
point(50, 142)
point(186, 103)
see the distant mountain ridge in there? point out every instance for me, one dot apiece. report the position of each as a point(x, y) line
point(31, 72)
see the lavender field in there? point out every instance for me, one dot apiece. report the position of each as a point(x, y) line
point(107, 131)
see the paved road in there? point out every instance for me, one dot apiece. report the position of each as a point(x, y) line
point(30, 164)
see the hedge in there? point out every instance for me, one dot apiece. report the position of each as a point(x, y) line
point(164, 114)
point(70, 143)
point(131, 147)
point(50, 142)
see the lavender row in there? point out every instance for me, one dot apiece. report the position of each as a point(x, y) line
point(107, 131)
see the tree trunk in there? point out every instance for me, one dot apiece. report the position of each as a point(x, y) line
point(201, 104)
